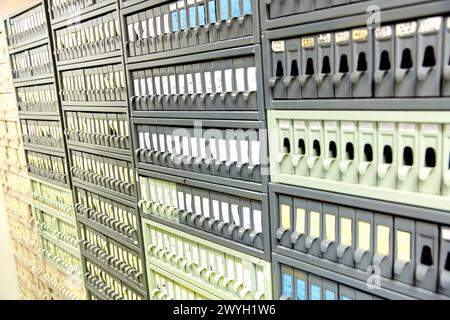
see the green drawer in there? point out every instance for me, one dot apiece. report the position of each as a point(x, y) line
point(225, 273)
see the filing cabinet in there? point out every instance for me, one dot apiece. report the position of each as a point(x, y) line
point(52, 198)
point(64, 9)
point(103, 285)
point(400, 59)
point(99, 129)
point(196, 25)
point(199, 208)
point(67, 262)
point(37, 98)
point(46, 134)
point(95, 37)
point(27, 26)
point(116, 258)
point(114, 175)
point(226, 273)
point(395, 151)
point(281, 13)
point(99, 84)
point(393, 242)
point(198, 85)
point(119, 221)
point(294, 283)
point(164, 286)
point(47, 167)
point(216, 151)
point(60, 287)
point(32, 63)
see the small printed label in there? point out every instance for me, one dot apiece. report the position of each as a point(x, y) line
point(430, 25)
point(406, 29)
point(366, 126)
point(430, 128)
point(383, 32)
point(278, 46)
point(407, 127)
point(284, 124)
point(307, 42)
point(342, 37)
point(360, 34)
point(348, 125)
point(314, 125)
point(331, 125)
point(387, 126)
point(324, 39)
point(299, 125)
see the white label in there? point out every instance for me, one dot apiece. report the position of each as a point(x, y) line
point(314, 125)
point(202, 143)
point(235, 214)
point(248, 278)
point(387, 126)
point(383, 32)
point(240, 79)
point(218, 81)
point(165, 83)
point(206, 207)
point(406, 29)
point(233, 150)
point(244, 151)
point(198, 82)
point(257, 220)
point(158, 25)
point(366, 126)
point(407, 127)
point(229, 80)
point(278, 46)
point(212, 261)
point(225, 212)
point(208, 82)
point(445, 234)
point(222, 150)
point(190, 83)
point(158, 85)
point(342, 37)
point(251, 79)
point(246, 217)
point(430, 128)
point(284, 124)
point(216, 209)
point(430, 25)
point(181, 83)
point(173, 84)
point(166, 23)
point(348, 125)
point(198, 205)
point(324, 39)
point(299, 125)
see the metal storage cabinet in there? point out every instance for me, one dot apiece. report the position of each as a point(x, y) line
point(88, 44)
point(33, 71)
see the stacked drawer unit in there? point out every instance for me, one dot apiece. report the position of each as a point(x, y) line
point(41, 129)
point(199, 143)
point(359, 197)
point(16, 188)
point(88, 51)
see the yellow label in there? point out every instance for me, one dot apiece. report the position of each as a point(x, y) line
point(346, 231)
point(383, 243)
point(285, 217)
point(360, 34)
point(403, 245)
point(364, 235)
point(330, 227)
point(300, 221)
point(314, 224)
point(307, 42)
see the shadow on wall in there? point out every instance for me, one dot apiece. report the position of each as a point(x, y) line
point(9, 6)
